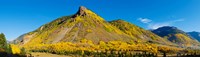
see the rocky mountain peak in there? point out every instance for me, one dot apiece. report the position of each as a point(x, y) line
point(82, 11)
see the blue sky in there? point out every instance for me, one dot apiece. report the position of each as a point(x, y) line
point(21, 16)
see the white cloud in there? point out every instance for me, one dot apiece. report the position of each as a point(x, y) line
point(168, 23)
point(155, 25)
point(144, 20)
point(178, 20)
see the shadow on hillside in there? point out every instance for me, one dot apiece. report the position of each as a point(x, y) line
point(4, 54)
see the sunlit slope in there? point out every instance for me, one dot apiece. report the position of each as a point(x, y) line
point(138, 32)
point(85, 24)
point(176, 35)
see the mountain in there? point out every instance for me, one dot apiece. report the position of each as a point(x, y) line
point(175, 35)
point(195, 35)
point(85, 24)
point(137, 32)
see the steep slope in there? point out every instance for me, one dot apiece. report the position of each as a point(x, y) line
point(138, 32)
point(175, 35)
point(83, 25)
point(87, 25)
point(195, 35)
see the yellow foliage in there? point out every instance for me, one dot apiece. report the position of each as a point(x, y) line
point(89, 30)
point(15, 49)
point(88, 45)
point(83, 40)
point(78, 18)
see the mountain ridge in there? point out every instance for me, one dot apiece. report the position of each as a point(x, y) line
point(137, 32)
point(85, 24)
point(195, 35)
point(176, 35)
point(85, 21)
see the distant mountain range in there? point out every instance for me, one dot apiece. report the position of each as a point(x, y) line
point(194, 35)
point(85, 24)
point(176, 35)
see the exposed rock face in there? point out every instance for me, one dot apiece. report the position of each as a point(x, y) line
point(82, 10)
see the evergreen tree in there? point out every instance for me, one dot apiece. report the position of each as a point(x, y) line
point(3, 43)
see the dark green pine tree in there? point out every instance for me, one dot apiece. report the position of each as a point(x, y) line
point(3, 46)
point(3, 43)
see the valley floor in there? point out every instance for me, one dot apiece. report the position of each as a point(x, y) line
point(38, 54)
point(47, 55)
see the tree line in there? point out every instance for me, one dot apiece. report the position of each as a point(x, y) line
point(9, 50)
